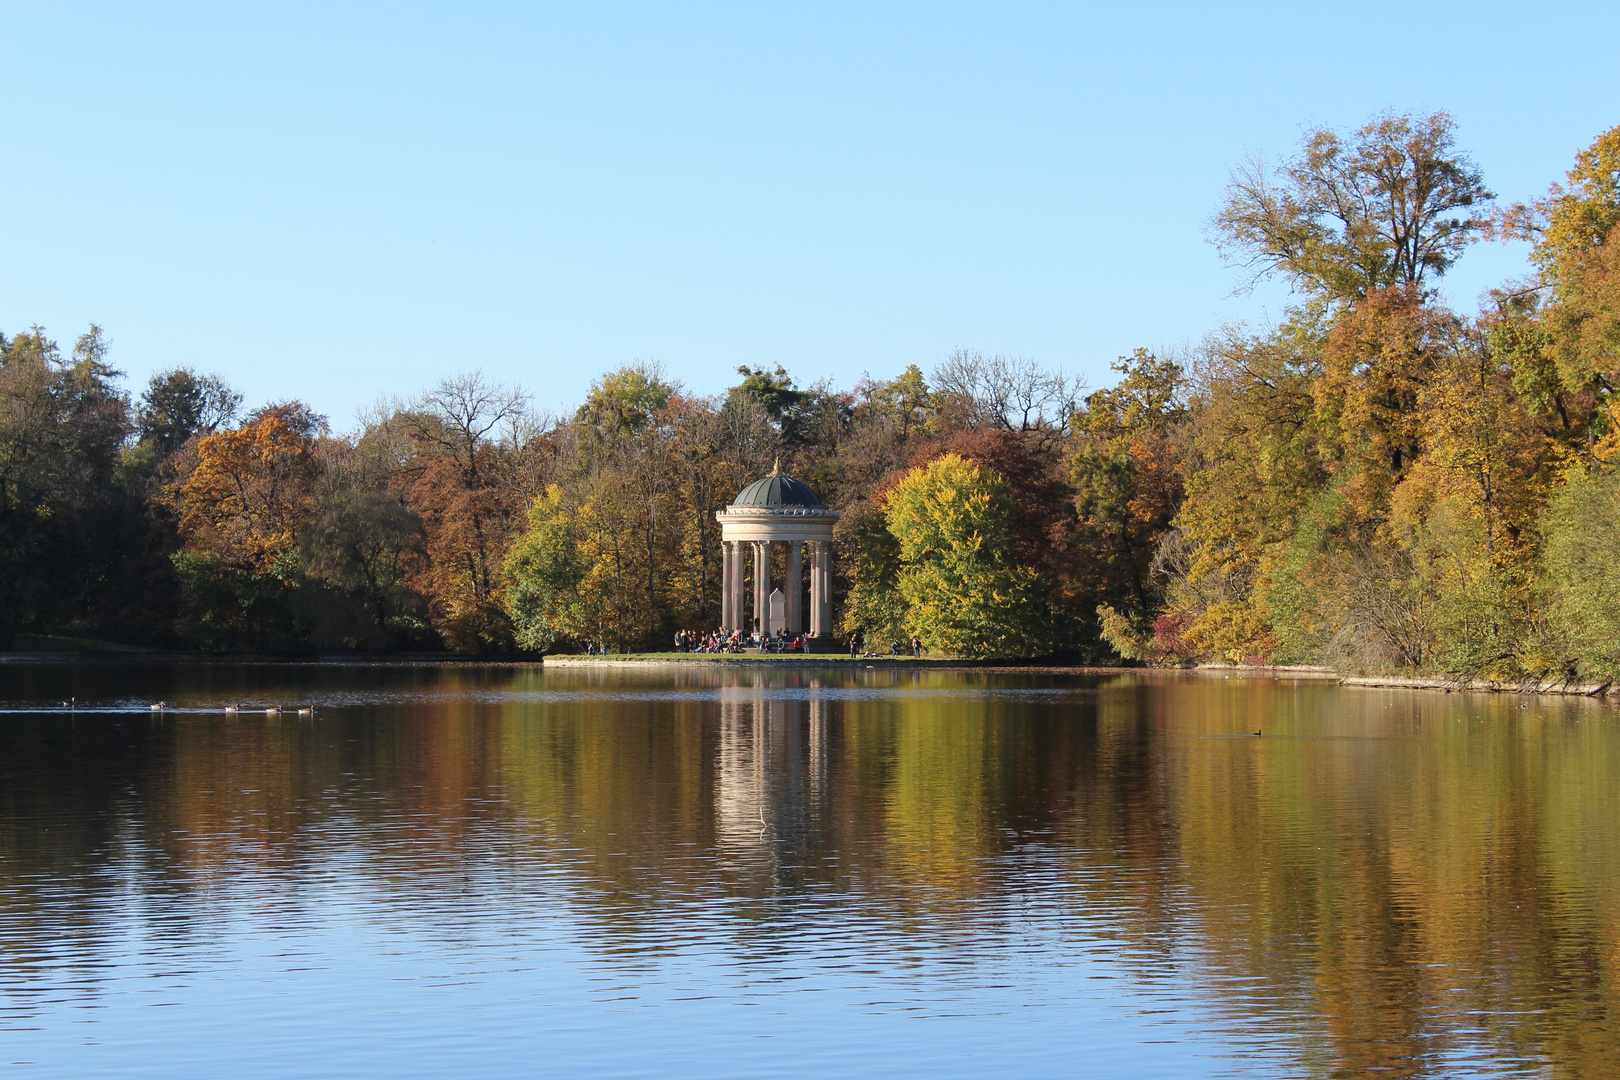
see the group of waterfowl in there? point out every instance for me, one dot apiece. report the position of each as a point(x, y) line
point(237, 709)
point(72, 705)
point(273, 710)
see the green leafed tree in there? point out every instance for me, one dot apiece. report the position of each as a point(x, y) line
point(873, 606)
point(783, 402)
point(1582, 561)
point(964, 592)
point(178, 404)
point(369, 545)
point(62, 424)
point(545, 570)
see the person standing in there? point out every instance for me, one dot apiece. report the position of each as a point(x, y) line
point(916, 648)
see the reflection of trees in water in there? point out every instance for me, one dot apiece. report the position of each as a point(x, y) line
point(1393, 878)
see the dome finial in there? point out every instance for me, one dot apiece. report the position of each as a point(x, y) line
point(776, 468)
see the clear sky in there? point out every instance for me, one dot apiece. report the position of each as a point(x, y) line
point(335, 201)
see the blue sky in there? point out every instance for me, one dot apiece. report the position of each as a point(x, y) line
point(336, 201)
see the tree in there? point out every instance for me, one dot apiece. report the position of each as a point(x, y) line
point(1253, 465)
point(544, 568)
point(178, 404)
point(1389, 205)
point(626, 401)
point(456, 481)
point(249, 493)
point(712, 452)
point(1380, 357)
point(1125, 472)
point(370, 546)
point(964, 593)
point(906, 399)
point(62, 424)
point(1582, 568)
point(632, 528)
point(242, 501)
point(873, 605)
point(1573, 347)
point(1015, 394)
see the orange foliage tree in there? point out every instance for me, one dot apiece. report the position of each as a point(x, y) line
point(458, 478)
point(242, 501)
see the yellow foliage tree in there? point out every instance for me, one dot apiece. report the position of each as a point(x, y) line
point(964, 593)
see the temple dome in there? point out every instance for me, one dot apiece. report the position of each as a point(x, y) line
point(775, 490)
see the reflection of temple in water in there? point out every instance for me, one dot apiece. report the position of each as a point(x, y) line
point(771, 792)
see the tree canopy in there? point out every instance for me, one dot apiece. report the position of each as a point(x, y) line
point(963, 592)
point(1391, 204)
point(1377, 481)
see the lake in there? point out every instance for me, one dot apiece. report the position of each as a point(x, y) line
point(503, 871)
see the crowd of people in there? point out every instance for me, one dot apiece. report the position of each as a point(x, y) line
point(736, 641)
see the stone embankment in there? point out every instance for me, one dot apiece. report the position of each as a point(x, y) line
point(1446, 684)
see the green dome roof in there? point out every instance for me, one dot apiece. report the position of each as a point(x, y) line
point(777, 491)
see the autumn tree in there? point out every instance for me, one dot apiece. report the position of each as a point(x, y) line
point(1579, 258)
point(1299, 439)
point(1561, 334)
point(712, 452)
point(624, 481)
point(456, 479)
point(1253, 466)
point(964, 591)
point(1380, 357)
point(1125, 474)
point(1392, 204)
point(242, 501)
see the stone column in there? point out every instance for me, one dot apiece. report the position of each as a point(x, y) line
point(794, 593)
point(818, 591)
point(824, 586)
point(725, 583)
point(737, 599)
point(762, 585)
point(814, 614)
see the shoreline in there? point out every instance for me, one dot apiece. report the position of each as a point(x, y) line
point(1440, 683)
point(273, 659)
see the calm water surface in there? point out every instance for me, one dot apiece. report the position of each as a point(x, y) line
point(500, 871)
